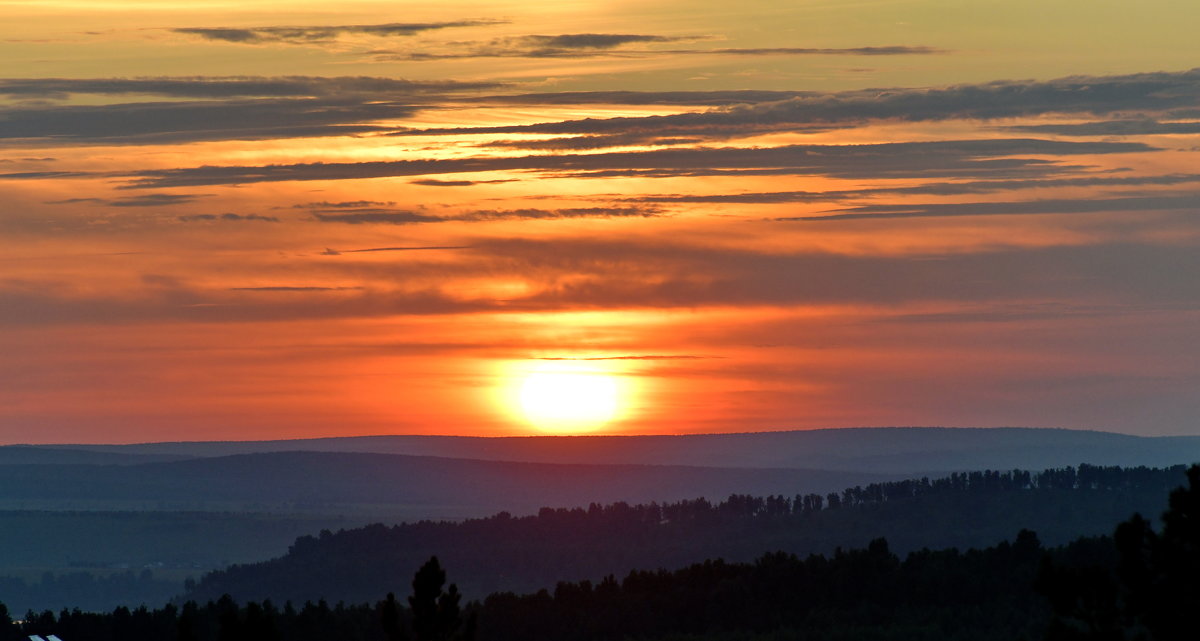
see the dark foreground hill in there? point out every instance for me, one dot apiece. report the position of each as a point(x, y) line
point(1138, 584)
point(901, 450)
point(863, 594)
point(505, 553)
point(404, 487)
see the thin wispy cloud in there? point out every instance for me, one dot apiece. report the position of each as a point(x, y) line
point(575, 45)
point(1141, 127)
point(228, 217)
point(1048, 206)
point(234, 86)
point(385, 216)
point(894, 50)
point(531, 46)
point(321, 33)
point(338, 252)
point(961, 158)
point(933, 188)
point(212, 109)
point(693, 98)
point(433, 182)
point(181, 122)
point(293, 288)
point(631, 357)
point(1139, 93)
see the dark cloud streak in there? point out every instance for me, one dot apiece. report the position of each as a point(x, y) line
point(236, 86)
point(578, 45)
point(1048, 206)
point(322, 33)
point(1143, 127)
point(278, 288)
point(896, 160)
point(1139, 93)
point(647, 357)
point(228, 218)
point(182, 122)
point(620, 274)
point(940, 189)
point(401, 217)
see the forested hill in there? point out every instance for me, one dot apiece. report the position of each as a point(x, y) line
point(857, 595)
point(506, 553)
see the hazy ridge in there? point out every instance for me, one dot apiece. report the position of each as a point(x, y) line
point(410, 487)
point(904, 450)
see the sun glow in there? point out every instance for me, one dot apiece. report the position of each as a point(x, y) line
point(567, 397)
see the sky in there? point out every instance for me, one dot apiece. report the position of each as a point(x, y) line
point(264, 219)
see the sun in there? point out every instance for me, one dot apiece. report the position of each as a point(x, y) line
point(561, 399)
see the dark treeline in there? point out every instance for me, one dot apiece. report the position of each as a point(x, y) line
point(523, 554)
point(1139, 584)
point(947, 595)
point(868, 593)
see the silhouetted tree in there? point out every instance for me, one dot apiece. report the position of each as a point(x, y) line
point(389, 613)
point(436, 614)
point(1152, 594)
point(8, 631)
point(185, 626)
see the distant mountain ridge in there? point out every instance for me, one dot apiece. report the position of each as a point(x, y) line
point(54, 455)
point(891, 450)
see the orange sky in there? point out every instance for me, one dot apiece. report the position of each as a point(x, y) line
point(266, 220)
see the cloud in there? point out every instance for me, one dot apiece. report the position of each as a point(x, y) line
point(539, 45)
point(334, 252)
point(959, 158)
point(635, 357)
point(691, 98)
point(1139, 93)
point(228, 218)
point(590, 273)
point(433, 182)
point(555, 214)
point(278, 288)
point(180, 302)
point(1048, 206)
point(801, 51)
point(613, 140)
point(594, 44)
point(360, 216)
point(319, 34)
point(938, 188)
point(181, 122)
point(152, 200)
point(325, 205)
point(1140, 127)
point(236, 86)
point(145, 200)
point(378, 217)
point(533, 46)
point(221, 108)
point(45, 175)
point(622, 275)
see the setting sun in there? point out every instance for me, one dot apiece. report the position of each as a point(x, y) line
point(563, 400)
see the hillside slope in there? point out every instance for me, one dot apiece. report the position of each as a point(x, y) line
point(503, 553)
